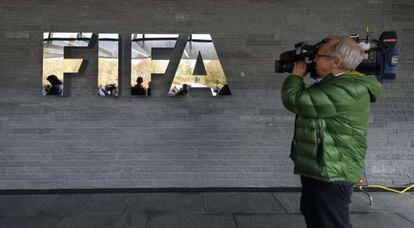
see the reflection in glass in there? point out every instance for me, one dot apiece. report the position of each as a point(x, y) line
point(199, 68)
point(108, 64)
point(54, 64)
point(142, 62)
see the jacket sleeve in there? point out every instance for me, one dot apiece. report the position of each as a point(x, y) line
point(312, 102)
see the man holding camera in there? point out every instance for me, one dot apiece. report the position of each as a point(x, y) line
point(330, 140)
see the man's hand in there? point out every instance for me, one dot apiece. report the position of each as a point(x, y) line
point(299, 69)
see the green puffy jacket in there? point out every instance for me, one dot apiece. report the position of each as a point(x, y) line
point(331, 126)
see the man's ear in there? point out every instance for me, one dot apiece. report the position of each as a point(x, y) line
point(337, 62)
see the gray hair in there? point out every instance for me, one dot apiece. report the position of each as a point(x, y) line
point(347, 50)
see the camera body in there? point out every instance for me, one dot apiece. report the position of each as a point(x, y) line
point(380, 56)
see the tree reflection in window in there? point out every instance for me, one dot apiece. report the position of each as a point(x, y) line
point(108, 62)
point(200, 67)
point(142, 64)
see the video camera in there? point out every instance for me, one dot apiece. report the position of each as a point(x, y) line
point(380, 56)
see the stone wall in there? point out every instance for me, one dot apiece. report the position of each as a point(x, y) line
point(243, 140)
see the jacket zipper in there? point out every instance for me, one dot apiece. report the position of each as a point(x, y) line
point(319, 145)
point(319, 150)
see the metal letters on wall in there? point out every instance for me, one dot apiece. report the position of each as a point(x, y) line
point(54, 63)
point(199, 67)
point(142, 62)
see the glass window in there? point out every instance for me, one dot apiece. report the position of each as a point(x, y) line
point(108, 64)
point(142, 64)
point(54, 65)
point(200, 68)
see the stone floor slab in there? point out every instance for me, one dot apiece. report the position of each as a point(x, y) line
point(103, 221)
point(289, 200)
point(270, 221)
point(84, 220)
point(242, 202)
point(132, 220)
point(44, 221)
point(408, 215)
point(67, 204)
point(383, 202)
point(202, 220)
point(15, 221)
point(24, 205)
point(183, 210)
point(379, 221)
point(165, 203)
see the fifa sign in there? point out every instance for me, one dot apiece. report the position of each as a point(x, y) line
point(198, 69)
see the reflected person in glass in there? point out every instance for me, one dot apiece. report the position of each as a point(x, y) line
point(183, 91)
point(56, 85)
point(139, 89)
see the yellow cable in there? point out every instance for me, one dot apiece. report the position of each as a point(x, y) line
point(390, 189)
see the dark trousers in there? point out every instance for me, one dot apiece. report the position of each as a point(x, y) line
point(325, 205)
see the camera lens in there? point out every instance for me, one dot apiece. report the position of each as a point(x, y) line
point(282, 67)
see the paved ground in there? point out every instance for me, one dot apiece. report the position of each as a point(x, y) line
point(188, 210)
